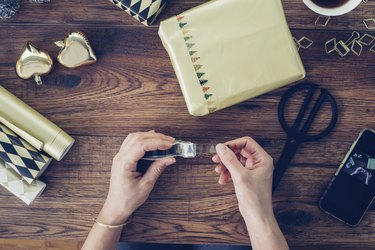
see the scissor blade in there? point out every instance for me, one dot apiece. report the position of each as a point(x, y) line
point(284, 161)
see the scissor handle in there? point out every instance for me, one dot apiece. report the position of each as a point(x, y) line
point(302, 134)
point(325, 95)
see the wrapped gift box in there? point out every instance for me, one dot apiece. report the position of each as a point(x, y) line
point(227, 51)
point(26, 160)
point(145, 11)
point(17, 186)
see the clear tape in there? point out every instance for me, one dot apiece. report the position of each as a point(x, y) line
point(182, 149)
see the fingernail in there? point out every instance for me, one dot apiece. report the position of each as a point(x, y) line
point(221, 148)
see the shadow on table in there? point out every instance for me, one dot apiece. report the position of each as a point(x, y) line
point(142, 246)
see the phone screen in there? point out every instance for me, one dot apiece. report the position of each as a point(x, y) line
point(353, 188)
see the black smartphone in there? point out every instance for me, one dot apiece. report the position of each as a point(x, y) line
point(352, 189)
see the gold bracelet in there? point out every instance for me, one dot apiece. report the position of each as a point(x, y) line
point(110, 226)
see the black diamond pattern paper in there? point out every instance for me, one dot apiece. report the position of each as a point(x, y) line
point(26, 160)
point(145, 11)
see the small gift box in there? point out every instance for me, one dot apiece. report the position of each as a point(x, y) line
point(227, 51)
point(23, 158)
point(145, 11)
point(17, 186)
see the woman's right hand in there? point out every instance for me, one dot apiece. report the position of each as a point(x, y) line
point(250, 168)
point(128, 188)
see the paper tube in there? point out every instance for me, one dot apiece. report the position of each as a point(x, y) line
point(33, 127)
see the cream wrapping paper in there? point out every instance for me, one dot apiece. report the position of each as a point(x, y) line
point(33, 127)
point(227, 51)
point(20, 188)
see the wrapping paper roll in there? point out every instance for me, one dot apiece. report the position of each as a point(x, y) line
point(33, 127)
point(26, 160)
point(20, 188)
point(228, 51)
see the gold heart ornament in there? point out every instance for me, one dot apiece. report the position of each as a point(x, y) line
point(33, 62)
point(75, 51)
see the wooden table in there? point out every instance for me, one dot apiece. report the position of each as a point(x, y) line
point(133, 88)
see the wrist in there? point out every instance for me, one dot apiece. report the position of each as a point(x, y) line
point(112, 216)
point(259, 218)
point(256, 209)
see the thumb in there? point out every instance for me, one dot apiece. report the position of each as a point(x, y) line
point(156, 169)
point(229, 159)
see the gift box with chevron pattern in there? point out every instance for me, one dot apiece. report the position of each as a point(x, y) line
point(145, 11)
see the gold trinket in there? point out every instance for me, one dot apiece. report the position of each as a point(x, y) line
point(33, 62)
point(75, 51)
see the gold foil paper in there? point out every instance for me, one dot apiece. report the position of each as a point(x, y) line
point(33, 62)
point(75, 51)
point(227, 51)
point(10, 180)
point(33, 127)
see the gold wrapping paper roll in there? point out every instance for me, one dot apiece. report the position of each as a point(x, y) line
point(32, 126)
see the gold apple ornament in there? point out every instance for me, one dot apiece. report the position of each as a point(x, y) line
point(33, 62)
point(75, 51)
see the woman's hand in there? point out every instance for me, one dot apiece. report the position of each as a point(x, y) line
point(129, 189)
point(250, 167)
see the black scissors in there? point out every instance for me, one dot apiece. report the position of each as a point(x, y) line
point(298, 132)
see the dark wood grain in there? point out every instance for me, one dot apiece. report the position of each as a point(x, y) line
point(22, 244)
point(18, 244)
point(143, 90)
point(133, 88)
point(103, 12)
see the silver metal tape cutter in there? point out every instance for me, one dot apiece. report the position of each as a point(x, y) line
point(182, 149)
